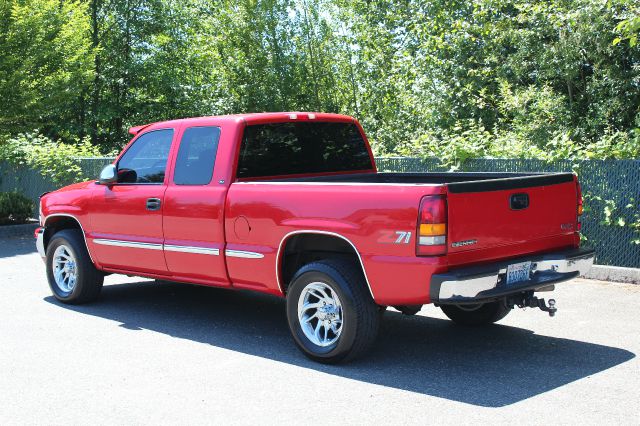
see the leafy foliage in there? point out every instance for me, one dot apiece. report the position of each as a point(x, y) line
point(45, 66)
point(57, 161)
point(629, 27)
point(15, 208)
point(492, 77)
point(615, 215)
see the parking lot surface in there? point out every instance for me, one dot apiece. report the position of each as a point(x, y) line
point(162, 353)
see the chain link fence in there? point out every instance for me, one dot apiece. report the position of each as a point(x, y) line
point(31, 183)
point(611, 189)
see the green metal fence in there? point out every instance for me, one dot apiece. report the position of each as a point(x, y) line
point(611, 189)
point(31, 183)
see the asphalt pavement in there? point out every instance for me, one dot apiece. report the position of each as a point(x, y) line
point(163, 353)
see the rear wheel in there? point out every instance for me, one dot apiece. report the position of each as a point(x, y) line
point(476, 314)
point(70, 272)
point(331, 314)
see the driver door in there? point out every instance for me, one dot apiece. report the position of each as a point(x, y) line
point(126, 217)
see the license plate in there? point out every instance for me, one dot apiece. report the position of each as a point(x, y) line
point(518, 272)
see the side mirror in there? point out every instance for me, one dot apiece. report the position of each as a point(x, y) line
point(108, 175)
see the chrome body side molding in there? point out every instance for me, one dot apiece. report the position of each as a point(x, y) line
point(192, 249)
point(243, 254)
point(129, 244)
point(157, 246)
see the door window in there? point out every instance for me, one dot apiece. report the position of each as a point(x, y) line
point(146, 160)
point(197, 156)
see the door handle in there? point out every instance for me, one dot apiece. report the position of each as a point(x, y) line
point(153, 204)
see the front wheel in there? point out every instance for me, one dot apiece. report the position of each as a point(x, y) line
point(477, 314)
point(331, 314)
point(70, 272)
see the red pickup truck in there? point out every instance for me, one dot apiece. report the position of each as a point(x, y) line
point(291, 204)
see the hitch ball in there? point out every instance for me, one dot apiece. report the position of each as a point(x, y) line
point(543, 306)
point(552, 307)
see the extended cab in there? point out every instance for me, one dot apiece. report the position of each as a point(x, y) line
point(291, 204)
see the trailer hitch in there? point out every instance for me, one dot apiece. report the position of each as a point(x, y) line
point(534, 302)
point(528, 300)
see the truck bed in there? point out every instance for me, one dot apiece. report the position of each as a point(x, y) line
point(456, 182)
point(482, 222)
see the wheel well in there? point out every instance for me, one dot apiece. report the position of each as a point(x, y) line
point(58, 223)
point(301, 249)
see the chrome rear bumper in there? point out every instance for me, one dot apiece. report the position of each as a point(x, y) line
point(487, 282)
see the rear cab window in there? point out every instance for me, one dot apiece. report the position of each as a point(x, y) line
point(281, 149)
point(196, 156)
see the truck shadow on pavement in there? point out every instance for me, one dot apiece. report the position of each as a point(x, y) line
point(490, 367)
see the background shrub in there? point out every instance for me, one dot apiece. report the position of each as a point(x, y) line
point(57, 161)
point(15, 208)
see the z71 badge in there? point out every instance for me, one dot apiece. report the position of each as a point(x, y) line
point(395, 237)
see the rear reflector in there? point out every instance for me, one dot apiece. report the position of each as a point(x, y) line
point(432, 226)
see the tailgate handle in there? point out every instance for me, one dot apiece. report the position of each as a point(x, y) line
point(519, 201)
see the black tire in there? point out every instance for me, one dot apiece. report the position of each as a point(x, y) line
point(361, 316)
point(88, 279)
point(486, 313)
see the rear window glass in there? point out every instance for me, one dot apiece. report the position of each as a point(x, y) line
point(277, 149)
point(197, 156)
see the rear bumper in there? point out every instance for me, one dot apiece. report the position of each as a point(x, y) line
point(487, 282)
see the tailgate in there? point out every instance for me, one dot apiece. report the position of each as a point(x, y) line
point(498, 212)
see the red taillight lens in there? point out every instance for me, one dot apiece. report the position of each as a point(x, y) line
point(432, 226)
point(580, 207)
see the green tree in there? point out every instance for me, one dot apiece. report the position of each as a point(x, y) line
point(491, 77)
point(46, 66)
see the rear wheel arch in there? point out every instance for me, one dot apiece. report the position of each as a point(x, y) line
point(300, 248)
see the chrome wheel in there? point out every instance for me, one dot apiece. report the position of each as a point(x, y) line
point(320, 314)
point(65, 272)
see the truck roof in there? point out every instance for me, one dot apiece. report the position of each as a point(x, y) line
point(252, 118)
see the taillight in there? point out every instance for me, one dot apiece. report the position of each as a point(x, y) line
point(432, 226)
point(580, 206)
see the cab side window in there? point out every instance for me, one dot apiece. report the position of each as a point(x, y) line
point(197, 156)
point(146, 160)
